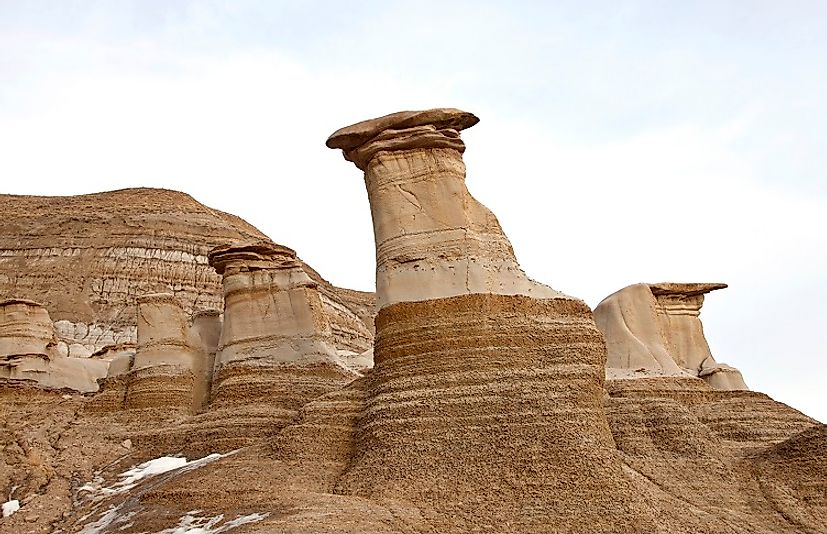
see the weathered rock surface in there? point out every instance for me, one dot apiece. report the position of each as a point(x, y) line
point(274, 353)
point(486, 410)
point(29, 350)
point(655, 330)
point(86, 258)
point(433, 239)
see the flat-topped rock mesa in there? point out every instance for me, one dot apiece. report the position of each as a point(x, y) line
point(29, 350)
point(433, 239)
point(655, 330)
point(86, 258)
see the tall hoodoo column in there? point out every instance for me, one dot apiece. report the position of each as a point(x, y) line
point(162, 374)
point(276, 345)
point(485, 405)
point(433, 239)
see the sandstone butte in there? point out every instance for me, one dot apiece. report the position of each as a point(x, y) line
point(139, 327)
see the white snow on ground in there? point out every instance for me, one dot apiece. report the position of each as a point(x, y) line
point(192, 524)
point(110, 517)
point(133, 477)
point(130, 478)
point(10, 507)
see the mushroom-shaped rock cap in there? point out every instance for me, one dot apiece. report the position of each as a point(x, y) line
point(253, 252)
point(357, 134)
point(677, 288)
point(15, 300)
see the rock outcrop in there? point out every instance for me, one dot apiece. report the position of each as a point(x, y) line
point(490, 406)
point(433, 239)
point(655, 330)
point(29, 350)
point(167, 361)
point(275, 335)
point(484, 381)
point(88, 257)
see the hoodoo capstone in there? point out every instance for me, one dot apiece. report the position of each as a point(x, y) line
point(433, 239)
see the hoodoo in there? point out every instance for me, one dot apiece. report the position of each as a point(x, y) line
point(655, 330)
point(29, 350)
point(487, 389)
point(276, 349)
point(433, 239)
point(163, 373)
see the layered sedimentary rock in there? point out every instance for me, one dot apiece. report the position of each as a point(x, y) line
point(88, 257)
point(486, 392)
point(275, 352)
point(486, 411)
point(163, 375)
point(655, 330)
point(29, 350)
point(433, 239)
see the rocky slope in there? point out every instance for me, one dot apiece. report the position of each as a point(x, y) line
point(86, 258)
point(490, 407)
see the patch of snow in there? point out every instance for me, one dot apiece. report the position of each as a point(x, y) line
point(111, 517)
point(130, 478)
point(191, 524)
point(10, 507)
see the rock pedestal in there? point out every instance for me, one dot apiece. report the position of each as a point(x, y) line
point(162, 376)
point(485, 405)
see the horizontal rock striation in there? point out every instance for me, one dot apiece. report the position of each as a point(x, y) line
point(88, 257)
point(29, 350)
point(164, 372)
point(487, 410)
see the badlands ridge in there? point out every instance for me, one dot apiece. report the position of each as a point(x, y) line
point(139, 328)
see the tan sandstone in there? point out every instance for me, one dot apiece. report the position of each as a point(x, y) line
point(655, 330)
point(87, 258)
point(29, 350)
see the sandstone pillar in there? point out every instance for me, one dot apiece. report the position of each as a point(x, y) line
point(433, 239)
point(485, 404)
point(655, 330)
point(162, 374)
point(276, 349)
point(205, 332)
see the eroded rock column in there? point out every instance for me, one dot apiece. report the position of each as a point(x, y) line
point(162, 375)
point(276, 348)
point(433, 239)
point(485, 405)
point(29, 350)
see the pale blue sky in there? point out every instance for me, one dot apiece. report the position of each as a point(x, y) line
point(620, 141)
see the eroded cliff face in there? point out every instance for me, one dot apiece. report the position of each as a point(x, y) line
point(87, 258)
point(488, 409)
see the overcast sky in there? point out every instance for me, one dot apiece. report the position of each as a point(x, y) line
point(619, 142)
